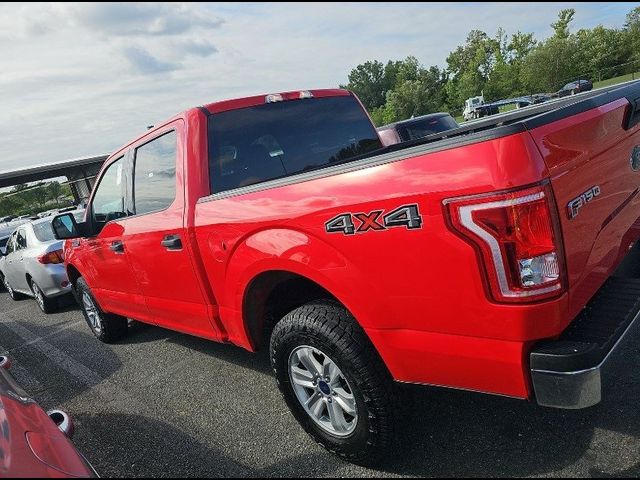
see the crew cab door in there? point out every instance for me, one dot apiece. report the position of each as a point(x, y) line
point(110, 274)
point(156, 238)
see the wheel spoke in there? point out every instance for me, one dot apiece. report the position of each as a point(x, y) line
point(309, 361)
point(301, 377)
point(330, 371)
point(336, 416)
point(315, 404)
point(346, 401)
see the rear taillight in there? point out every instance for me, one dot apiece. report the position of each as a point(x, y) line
point(56, 256)
point(518, 238)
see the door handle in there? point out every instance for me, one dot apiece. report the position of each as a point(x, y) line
point(117, 246)
point(172, 242)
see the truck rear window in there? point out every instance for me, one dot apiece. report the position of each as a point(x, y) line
point(274, 140)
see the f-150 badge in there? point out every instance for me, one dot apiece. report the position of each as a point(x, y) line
point(574, 206)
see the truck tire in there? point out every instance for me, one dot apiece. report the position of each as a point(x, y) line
point(321, 357)
point(47, 305)
point(107, 327)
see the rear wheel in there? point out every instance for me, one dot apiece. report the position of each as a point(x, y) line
point(47, 305)
point(12, 293)
point(334, 381)
point(107, 327)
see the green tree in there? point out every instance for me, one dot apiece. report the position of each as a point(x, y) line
point(561, 27)
point(371, 81)
point(418, 91)
point(40, 195)
point(469, 67)
point(600, 52)
point(520, 46)
point(551, 65)
point(555, 61)
point(55, 191)
point(631, 35)
point(9, 205)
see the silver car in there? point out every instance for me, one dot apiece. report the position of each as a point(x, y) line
point(33, 265)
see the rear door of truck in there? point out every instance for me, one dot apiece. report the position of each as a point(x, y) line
point(592, 151)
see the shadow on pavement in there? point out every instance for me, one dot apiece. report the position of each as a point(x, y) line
point(56, 369)
point(162, 450)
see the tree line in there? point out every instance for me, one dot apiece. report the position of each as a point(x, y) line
point(24, 199)
point(499, 67)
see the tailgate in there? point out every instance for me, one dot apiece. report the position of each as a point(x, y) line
point(592, 152)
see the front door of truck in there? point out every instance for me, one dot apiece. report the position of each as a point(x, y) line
point(156, 242)
point(109, 272)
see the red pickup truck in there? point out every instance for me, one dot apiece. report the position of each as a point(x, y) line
point(482, 261)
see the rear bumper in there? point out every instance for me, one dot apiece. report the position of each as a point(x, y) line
point(52, 280)
point(569, 372)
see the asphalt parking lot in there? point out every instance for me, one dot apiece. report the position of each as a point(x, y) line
point(162, 404)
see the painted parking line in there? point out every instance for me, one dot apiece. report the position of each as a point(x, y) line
point(38, 339)
point(106, 390)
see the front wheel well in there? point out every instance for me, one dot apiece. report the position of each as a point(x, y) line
point(270, 296)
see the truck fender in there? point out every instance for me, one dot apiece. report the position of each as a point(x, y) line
point(293, 251)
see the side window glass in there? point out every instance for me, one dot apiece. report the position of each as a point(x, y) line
point(154, 178)
point(21, 239)
point(108, 201)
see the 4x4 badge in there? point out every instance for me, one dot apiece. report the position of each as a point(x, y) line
point(635, 158)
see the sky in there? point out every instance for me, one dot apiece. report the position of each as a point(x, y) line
point(83, 79)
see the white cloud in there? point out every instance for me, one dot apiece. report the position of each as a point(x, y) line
point(81, 79)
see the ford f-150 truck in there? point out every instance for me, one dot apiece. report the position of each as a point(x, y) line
point(481, 258)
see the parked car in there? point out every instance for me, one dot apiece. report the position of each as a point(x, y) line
point(48, 213)
point(6, 230)
point(414, 128)
point(480, 260)
point(33, 265)
point(575, 87)
point(35, 444)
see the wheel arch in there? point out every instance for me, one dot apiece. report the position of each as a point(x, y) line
point(270, 296)
point(272, 265)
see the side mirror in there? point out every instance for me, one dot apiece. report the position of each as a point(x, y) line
point(65, 227)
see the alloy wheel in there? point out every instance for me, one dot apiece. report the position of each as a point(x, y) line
point(323, 391)
point(92, 312)
point(38, 294)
